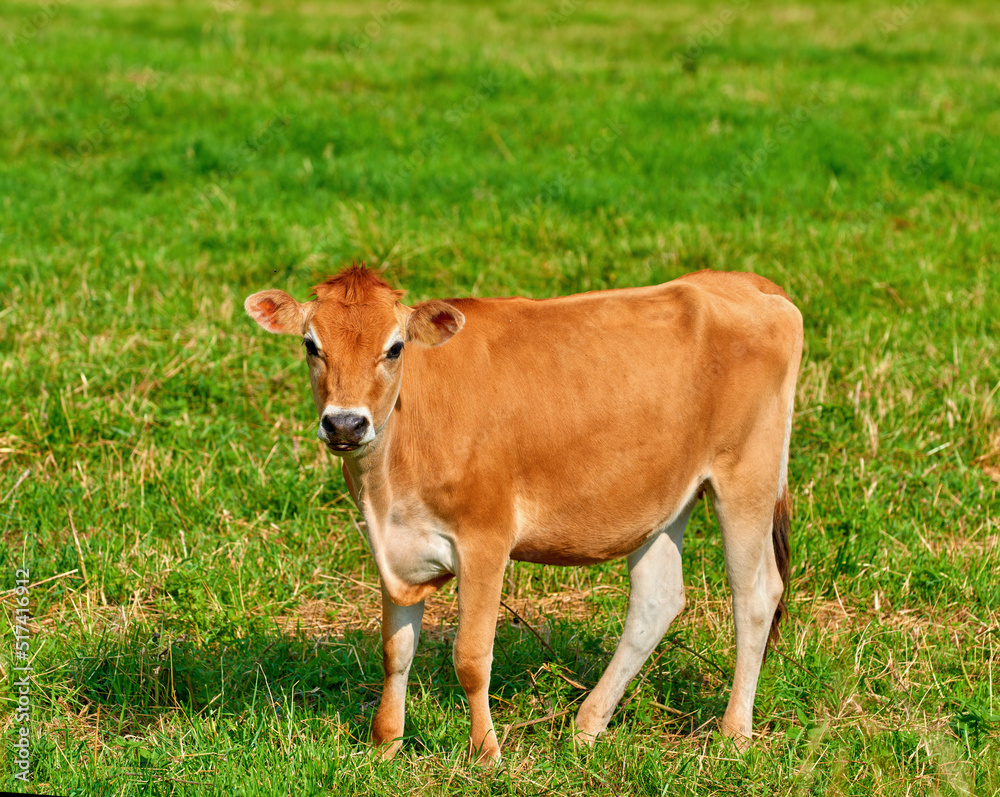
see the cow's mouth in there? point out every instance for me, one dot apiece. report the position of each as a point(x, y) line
point(343, 446)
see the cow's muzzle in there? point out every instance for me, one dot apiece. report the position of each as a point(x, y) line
point(344, 431)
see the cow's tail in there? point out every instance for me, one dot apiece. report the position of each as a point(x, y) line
point(779, 536)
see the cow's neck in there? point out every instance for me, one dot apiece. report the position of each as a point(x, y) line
point(412, 555)
point(367, 474)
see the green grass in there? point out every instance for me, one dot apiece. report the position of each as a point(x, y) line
point(204, 619)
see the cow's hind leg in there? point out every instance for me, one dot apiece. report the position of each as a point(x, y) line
point(747, 516)
point(400, 634)
point(656, 597)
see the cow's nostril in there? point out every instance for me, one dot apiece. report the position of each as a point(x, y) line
point(347, 428)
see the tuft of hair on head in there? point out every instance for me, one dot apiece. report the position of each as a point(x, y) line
point(356, 284)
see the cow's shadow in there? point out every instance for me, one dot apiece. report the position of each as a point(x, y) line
point(260, 667)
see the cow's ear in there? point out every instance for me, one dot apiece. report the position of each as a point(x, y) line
point(277, 312)
point(433, 323)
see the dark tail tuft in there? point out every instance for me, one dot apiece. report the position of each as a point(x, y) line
point(779, 534)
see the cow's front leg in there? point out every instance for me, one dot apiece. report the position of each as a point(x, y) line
point(480, 581)
point(400, 634)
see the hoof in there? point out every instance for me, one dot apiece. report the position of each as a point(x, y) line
point(387, 750)
point(486, 756)
point(486, 752)
point(740, 737)
point(584, 738)
point(386, 738)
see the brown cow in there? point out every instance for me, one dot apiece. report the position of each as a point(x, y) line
point(565, 431)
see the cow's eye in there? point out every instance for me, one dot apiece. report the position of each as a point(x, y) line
point(311, 349)
point(394, 351)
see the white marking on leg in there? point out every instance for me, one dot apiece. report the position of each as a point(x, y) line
point(400, 636)
point(756, 586)
point(656, 597)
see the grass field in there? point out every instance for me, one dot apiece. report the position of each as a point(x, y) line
point(203, 610)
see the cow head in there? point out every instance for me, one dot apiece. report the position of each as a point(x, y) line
point(355, 333)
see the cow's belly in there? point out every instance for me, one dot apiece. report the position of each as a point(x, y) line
point(559, 546)
point(416, 551)
point(591, 532)
point(569, 554)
